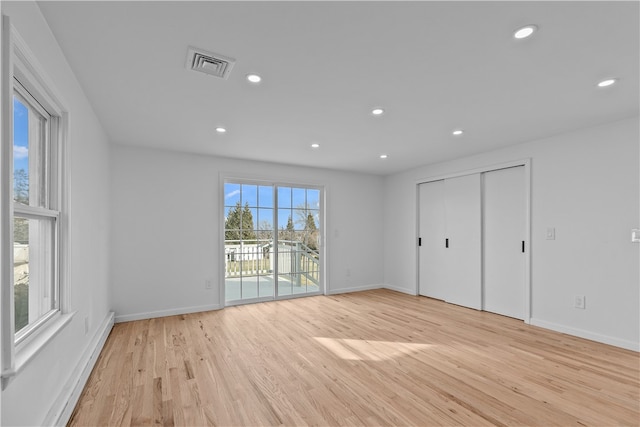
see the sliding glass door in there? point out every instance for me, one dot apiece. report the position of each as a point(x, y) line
point(272, 241)
point(298, 240)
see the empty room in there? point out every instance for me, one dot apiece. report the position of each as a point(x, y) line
point(255, 213)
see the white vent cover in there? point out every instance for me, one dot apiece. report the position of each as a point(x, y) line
point(209, 63)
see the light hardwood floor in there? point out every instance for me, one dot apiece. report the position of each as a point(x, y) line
point(370, 358)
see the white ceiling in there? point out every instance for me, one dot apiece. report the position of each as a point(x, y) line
point(433, 66)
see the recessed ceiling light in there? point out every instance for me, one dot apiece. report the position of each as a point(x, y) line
point(524, 32)
point(221, 130)
point(383, 156)
point(457, 132)
point(377, 111)
point(607, 82)
point(254, 78)
point(315, 145)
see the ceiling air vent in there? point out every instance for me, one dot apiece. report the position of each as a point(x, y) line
point(209, 63)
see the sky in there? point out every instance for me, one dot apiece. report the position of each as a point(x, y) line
point(20, 136)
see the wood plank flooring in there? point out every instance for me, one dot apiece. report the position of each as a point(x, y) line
point(371, 358)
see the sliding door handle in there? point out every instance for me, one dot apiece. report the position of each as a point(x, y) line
point(523, 246)
point(446, 243)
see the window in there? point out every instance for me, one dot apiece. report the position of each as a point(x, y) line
point(35, 213)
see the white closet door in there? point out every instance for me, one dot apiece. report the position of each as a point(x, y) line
point(433, 277)
point(504, 232)
point(463, 258)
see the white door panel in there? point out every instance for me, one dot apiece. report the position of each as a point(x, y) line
point(433, 277)
point(463, 259)
point(504, 231)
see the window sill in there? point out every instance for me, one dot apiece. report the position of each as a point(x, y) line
point(26, 351)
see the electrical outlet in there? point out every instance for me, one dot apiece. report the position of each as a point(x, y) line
point(551, 233)
point(208, 284)
point(579, 302)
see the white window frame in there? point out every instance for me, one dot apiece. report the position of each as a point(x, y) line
point(48, 183)
point(19, 64)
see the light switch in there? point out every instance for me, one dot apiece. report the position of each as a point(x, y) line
point(551, 233)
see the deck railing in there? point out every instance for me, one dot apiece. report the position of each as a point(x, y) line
point(296, 261)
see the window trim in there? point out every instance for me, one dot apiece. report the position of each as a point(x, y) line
point(19, 63)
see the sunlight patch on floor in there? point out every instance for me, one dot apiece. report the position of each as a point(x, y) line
point(350, 349)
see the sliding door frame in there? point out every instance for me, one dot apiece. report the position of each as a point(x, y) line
point(227, 177)
point(527, 189)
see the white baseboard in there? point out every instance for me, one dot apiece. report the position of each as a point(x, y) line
point(403, 290)
point(353, 289)
point(168, 312)
point(63, 407)
point(605, 339)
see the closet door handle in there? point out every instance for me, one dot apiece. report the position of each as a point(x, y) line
point(419, 241)
point(523, 246)
point(446, 243)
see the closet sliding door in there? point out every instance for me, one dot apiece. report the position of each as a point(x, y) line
point(433, 278)
point(473, 233)
point(504, 245)
point(463, 244)
point(450, 240)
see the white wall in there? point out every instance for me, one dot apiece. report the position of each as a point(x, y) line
point(586, 185)
point(162, 202)
point(34, 395)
